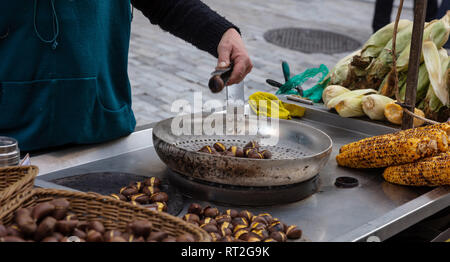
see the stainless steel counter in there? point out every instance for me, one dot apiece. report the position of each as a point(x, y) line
point(375, 209)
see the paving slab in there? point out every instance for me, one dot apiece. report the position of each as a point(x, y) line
point(163, 68)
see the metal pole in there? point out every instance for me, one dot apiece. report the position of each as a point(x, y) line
point(414, 61)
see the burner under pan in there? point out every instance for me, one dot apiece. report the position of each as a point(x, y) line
point(243, 195)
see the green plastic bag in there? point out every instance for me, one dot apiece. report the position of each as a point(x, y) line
point(315, 92)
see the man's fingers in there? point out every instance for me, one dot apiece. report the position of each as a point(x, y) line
point(239, 71)
point(224, 52)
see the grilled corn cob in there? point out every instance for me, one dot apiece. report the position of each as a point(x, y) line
point(431, 171)
point(393, 149)
point(409, 132)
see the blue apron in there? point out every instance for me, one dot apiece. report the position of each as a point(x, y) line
point(63, 71)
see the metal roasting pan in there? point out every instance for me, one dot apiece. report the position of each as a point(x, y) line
point(299, 154)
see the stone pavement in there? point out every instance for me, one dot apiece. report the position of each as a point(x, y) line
point(163, 68)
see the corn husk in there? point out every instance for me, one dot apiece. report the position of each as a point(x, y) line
point(436, 105)
point(387, 87)
point(333, 102)
point(339, 73)
point(394, 114)
point(436, 31)
point(422, 85)
point(436, 63)
point(383, 63)
point(375, 44)
point(350, 106)
point(373, 106)
point(331, 92)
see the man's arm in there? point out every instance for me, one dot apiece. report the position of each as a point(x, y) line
point(190, 20)
point(197, 24)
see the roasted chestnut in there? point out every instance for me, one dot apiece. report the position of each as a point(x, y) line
point(195, 208)
point(61, 208)
point(266, 154)
point(207, 149)
point(140, 198)
point(252, 144)
point(153, 181)
point(119, 197)
point(219, 147)
point(159, 197)
point(42, 210)
point(25, 222)
point(150, 190)
point(140, 228)
point(45, 228)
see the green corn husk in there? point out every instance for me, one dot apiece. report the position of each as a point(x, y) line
point(375, 44)
point(437, 64)
point(339, 73)
point(436, 102)
point(383, 63)
point(387, 87)
point(422, 85)
point(436, 31)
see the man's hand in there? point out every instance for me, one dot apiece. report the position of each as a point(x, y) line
point(231, 48)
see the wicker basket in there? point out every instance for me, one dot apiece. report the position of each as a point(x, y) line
point(113, 213)
point(16, 182)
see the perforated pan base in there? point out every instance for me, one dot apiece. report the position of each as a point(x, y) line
point(280, 151)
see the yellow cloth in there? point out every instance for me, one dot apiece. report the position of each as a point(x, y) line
point(273, 105)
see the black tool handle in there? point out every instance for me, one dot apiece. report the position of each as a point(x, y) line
point(273, 83)
point(218, 82)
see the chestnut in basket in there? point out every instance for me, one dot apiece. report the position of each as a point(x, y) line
point(25, 222)
point(11, 239)
point(42, 210)
point(111, 234)
point(2, 230)
point(185, 238)
point(97, 226)
point(66, 226)
point(157, 236)
point(45, 228)
point(140, 228)
point(94, 236)
point(61, 208)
